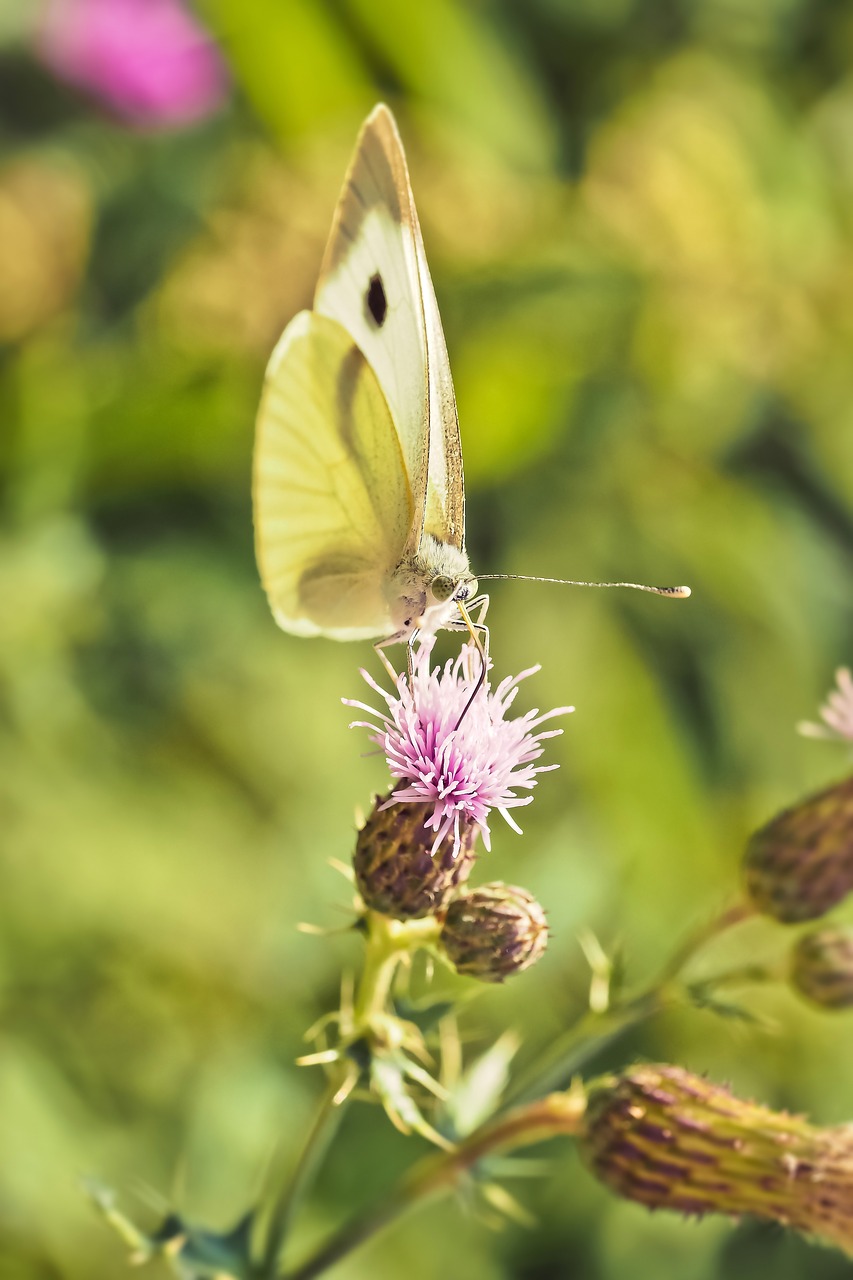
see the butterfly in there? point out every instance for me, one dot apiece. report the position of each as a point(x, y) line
point(359, 497)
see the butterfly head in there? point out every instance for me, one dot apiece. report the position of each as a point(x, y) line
point(426, 588)
point(446, 571)
point(444, 588)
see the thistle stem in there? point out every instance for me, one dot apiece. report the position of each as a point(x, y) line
point(741, 975)
point(388, 942)
point(594, 1031)
point(734, 914)
point(323, 1129)
point(549, 1117)
point(584, 1041)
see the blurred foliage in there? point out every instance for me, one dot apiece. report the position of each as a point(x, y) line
point(638, 218)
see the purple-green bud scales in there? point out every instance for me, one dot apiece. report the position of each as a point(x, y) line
point(822, 967)
point(800, 865)
point(400, 870)
point(493, 932)
point(669, 1139)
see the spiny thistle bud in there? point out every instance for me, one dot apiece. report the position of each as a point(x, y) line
point(494, 931)
point(672, 1140)
point(401, 869)
point(822, 967)
point(800, 865)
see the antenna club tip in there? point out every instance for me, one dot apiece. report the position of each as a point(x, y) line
point(682, 593)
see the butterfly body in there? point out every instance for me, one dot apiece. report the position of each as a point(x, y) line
point(424, 590)
point(359, 498)
point(358, 488)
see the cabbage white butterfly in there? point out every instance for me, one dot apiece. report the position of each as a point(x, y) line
point(359, 500)
point(358, 491)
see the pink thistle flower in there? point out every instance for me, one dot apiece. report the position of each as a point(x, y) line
point(464, 765)
point(150, 61)
point(836, 713)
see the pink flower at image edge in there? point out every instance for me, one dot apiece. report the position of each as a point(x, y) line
point(836, 713)
point(150, 61)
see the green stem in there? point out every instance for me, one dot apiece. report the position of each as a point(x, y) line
point(316, 1145)
point(594, 1031)
point(741, 975)
point(582, 1042)
point(387, 942)
point(558, 1114)
point(695, 941)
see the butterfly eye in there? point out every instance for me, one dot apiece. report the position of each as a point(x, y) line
point(442, 588)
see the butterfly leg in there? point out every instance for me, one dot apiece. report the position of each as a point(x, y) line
point(479, 623)
point(483, 602)
point(379, 649)
point(410, 654)
point(480, 634)
point(476, 629)
point(381, 645)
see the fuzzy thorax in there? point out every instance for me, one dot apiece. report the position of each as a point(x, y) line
point(424, 588)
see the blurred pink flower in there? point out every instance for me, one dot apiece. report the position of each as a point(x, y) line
point(463, 767)
point(150, 61)
point(836, 713)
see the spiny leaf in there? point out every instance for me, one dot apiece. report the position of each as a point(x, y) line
point(387, 1075)
point(478, 1091)
point(192, 1251)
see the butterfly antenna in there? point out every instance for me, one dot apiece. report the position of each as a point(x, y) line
point(466, 617)
point(674, 593)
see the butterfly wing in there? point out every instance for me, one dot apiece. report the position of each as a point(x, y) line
point(375, 281)
point(332, 501)
point(445, 497)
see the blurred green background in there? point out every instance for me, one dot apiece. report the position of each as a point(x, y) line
point(639, 222)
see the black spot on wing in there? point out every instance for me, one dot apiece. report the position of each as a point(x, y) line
point(375, 301)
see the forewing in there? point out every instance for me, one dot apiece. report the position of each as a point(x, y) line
point(370, 283)
point(445, 499)
point(332, 502)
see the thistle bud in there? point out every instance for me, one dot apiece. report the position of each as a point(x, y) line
point(402, 869)
point(822, 967)
point(671, 1140)
point(494, 931)
point(800, 865)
